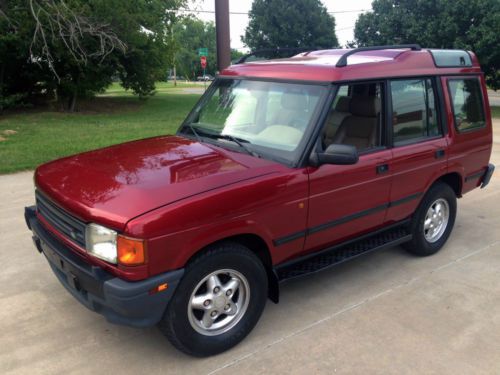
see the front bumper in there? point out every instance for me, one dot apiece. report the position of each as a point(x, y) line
point(120, 301)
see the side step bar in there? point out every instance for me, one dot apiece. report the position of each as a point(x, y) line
point(312, 263)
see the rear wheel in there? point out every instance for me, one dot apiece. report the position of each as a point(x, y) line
point(218, 302)
point(433, 220)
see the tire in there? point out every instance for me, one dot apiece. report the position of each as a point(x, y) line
point(428, 239)
point(186, 323)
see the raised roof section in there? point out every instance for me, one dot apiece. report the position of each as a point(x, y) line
point(320, 65)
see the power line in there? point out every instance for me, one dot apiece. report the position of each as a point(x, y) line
point(247, 13)
point(346, 28)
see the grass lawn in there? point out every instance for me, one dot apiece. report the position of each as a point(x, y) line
point(115, 117)
point(495, 112)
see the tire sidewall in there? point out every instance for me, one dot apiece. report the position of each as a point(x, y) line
point(233, 256)
point(422, 246)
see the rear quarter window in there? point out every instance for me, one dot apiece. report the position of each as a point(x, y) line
point(467, 103)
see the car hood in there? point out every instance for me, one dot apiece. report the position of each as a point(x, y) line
point(112, 185)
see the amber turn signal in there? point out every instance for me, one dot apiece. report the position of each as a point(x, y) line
point(159, 288)
point(131, 251)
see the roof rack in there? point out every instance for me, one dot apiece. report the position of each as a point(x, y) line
point(275, 51)
point(343, 59)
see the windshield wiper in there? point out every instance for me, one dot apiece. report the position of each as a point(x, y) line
point(198, 133)
point(240, 142)
point(195, 133)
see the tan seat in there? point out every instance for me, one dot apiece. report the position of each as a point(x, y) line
point(361, 128)
point(335, 118)
point(294, 110)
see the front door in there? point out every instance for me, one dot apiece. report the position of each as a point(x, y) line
point(348, 200)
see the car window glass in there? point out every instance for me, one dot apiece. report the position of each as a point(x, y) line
point(355, 117)
point(268, 118)
point(414, 113)
point(467, 103)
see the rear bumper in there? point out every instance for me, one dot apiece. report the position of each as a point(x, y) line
point(119, 301)
point(487, 175)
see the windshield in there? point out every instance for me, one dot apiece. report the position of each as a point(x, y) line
point(266, 119)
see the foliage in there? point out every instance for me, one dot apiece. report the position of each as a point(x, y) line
point(189, 34)
point(465, 24)
point(289, 23)
point(74, 48)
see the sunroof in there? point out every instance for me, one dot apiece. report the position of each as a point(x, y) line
point(450, 58)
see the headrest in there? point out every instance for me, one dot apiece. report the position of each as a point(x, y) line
point(294, 100)
point(365, 106)
point(343, 104)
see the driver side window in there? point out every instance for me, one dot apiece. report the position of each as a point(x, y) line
point(356, 117)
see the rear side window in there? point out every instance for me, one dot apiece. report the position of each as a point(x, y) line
point(414, 115)
point(467, 103)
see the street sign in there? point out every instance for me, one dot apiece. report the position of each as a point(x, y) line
point(202, 51)
point(203, 61)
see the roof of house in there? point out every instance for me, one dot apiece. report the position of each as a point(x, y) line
point(381, 63)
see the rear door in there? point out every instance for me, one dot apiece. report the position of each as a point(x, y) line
point(419, 153)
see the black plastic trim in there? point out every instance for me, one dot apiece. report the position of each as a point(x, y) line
point(289, 238)
point(289, 263)
point(343, 59)
point(119, 301)
point(296, 235)
point(346, 219)
point(487, 175)
point(475, 175)
point(405, 199)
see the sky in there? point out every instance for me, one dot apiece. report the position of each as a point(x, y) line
point(238, 22)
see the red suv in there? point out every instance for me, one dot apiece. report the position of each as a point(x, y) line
point(284, 167)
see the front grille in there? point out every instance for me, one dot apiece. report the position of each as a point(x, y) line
point(63, 222)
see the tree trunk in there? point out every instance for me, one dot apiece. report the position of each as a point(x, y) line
point(72, 100)
point(2, 75)
point(175, 76)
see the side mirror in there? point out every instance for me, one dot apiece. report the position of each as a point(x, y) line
point(338, 154)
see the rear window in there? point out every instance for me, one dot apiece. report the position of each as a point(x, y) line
point(467, 103)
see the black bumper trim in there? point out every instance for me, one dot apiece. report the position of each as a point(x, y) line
point(487, 175)
point(119, 301)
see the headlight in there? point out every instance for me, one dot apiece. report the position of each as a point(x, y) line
point(101, 242)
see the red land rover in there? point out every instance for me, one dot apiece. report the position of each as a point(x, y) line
point(283, 168)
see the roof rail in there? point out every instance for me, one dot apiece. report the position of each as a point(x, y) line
point(275, 51)
point(343, 59)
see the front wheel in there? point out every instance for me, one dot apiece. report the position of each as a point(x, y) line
point(218, 302)
point(433, 220)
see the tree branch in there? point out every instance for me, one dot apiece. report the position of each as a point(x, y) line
point(57, 24)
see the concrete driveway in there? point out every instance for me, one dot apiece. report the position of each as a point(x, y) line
point(384, 313)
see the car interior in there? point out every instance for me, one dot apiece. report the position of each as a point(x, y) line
point(355, 117)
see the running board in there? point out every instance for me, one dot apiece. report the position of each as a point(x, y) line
point(312, 263)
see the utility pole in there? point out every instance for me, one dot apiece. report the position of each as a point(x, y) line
point(222, 30)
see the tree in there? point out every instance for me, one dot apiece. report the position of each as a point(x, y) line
point(463, 24)
point(289, 23)
point(75, 47)
point(190, 34)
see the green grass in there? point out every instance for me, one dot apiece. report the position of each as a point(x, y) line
point(114, 117)
point(495, 112)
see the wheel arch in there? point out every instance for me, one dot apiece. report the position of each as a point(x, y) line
point(259, 247)
point(452, 179)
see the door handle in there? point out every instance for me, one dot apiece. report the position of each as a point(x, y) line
point(439, 154)
point(382, 168)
